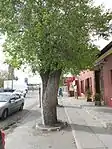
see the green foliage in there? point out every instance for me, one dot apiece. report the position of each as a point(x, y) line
point(88, 93)
point(97, 97)
point(52, 34)
point(13, 61)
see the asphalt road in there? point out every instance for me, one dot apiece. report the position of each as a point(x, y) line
point(30, 101)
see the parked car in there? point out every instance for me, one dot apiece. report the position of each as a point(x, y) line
point(1, 89)
point(6, 90)
point(9, 103)
point(21, 92)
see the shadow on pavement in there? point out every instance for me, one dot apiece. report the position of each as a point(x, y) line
point(31, 116)
point(15, 115)
point(76, 107)
point(104, 110)
point(89, 129)
point(88, 105)
point(19, 118)
point(12, 119)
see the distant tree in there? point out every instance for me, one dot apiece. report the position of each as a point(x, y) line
point(10, 72)
point(3, 76)
point(52, 36)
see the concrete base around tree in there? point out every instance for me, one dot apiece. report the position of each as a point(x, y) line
point(57, 127)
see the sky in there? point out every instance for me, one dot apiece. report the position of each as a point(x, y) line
point(100, 43)
point(108, 5)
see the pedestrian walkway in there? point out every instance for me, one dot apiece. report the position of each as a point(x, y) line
point(26, 136)
point(101, 113)
point(88, 132)
point(83, 131)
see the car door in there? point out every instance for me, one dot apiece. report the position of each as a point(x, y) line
point(18, 101)
point(12, 104)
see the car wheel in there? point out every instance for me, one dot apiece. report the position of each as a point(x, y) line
point(24, 95)
point(5, 114)
point(21, 107)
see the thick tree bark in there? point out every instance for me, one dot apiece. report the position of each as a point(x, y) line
point(58, 74)
point(45, 77)
point(49, 97)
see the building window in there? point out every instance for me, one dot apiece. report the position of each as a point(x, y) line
point(90, 81)
point(82, 86)
point(87, 84)
point(111, 76)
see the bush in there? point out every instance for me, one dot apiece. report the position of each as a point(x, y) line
point(97, 97)
point(88, 94)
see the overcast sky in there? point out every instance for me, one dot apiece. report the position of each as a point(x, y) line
point(101, 43)
point(108, 5)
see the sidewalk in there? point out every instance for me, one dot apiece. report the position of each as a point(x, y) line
point(25, 135)
point(88, 131)
point(101, 113)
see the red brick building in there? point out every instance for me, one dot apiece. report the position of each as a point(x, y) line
point(86, 81)
point(99, 80)
point(103, 74)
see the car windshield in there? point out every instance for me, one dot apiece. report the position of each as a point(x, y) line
point(4, 97)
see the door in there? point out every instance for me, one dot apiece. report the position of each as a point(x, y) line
point(97, 81)
point(18, 102)
point(12, 104)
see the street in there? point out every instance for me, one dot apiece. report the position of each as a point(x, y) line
point(31, 100)
point(62, 52)
point(22, 133)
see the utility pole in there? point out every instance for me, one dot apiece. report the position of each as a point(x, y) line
point(39, 96)
point(11, 74)
point(12, 81)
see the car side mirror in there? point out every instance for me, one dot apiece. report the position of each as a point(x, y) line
point(12, 100)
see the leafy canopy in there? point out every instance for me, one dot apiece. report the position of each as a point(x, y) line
point(53, 34)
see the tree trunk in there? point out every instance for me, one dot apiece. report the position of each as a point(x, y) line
point(45, 77)
point(49, 97)
point(58, 74)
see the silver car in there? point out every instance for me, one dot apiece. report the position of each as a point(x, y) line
point(20, 92)
point(9, 103)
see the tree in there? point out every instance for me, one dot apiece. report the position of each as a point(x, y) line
point(53, 36)
point(13, 62)
point(3, 76)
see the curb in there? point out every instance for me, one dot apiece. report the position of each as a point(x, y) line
point(7, 128)
point(73, 131)
point(58, 127)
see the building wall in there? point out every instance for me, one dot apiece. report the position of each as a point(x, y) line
point(105, 80)
point(83, 76)
point(107, 77)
